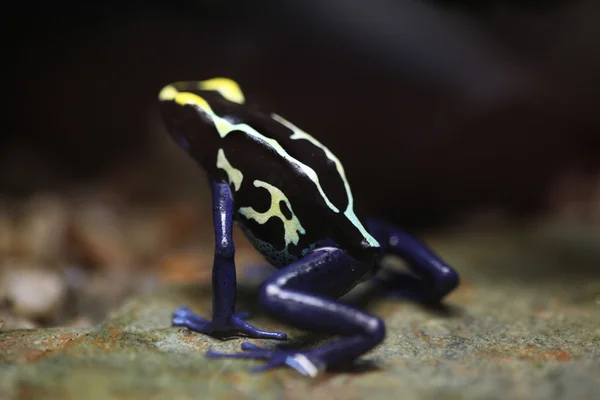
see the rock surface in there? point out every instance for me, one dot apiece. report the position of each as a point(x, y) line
point(525, 323)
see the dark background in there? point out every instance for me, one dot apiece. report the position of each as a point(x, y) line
point(436, 107)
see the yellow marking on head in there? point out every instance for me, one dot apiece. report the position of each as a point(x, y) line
point(349, 213)
point(184, 98)
point(170, 93)
point(226, 87)
point(292, 227)
point(234, 175)
point(167, 93)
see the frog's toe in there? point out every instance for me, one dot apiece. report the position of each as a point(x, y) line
point(251, 346)
point(235, 326)
point(249, 350)
point(250, 331)
point(182, 312)
point(184, 317)
point(305, 362)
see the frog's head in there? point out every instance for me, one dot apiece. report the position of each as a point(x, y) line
point(188, 111)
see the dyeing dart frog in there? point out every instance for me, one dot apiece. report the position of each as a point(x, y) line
point(292, 199)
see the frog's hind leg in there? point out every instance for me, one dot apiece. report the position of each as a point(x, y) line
point(434, 278)
point(301, 295)
point(226, 322)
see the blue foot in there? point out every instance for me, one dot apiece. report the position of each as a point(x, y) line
point(304, 361)
point(235, 326)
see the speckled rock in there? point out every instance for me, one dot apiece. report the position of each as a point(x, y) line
point(524, 324)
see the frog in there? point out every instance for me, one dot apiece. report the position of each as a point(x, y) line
point(292, 199)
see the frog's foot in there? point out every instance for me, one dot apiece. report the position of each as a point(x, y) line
point(306, 362)
point(234, 326)
point(300, 295)
point(434, 278)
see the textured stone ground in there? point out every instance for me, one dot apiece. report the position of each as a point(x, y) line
point(524, 324)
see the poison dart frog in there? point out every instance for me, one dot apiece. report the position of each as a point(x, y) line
point(291, 197)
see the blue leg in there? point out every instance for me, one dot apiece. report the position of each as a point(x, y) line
point(434, 278)
point(301, 295)
point(225, 321)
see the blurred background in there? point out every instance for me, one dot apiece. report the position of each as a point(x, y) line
point(448, 115)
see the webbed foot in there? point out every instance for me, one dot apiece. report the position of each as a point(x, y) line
point(235, 326)
point(306, 362)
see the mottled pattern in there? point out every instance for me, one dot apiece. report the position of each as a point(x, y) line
point(277, 258)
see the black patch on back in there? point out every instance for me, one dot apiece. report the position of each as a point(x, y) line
point(300, 149)
point(258, 161)
point(287, 213)
point(271, 231)
point(261, 198)
point(315, 157)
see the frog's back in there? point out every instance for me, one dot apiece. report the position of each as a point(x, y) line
point(291, 192)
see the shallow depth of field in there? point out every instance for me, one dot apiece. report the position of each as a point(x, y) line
point(472, 125)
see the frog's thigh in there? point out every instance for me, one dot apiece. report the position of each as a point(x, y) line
point(302, 294)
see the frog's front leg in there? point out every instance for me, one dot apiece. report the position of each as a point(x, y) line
point(301, 295)
point(435, 279)
point(225, 322)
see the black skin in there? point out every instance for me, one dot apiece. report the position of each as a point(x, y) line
point(329, 258)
